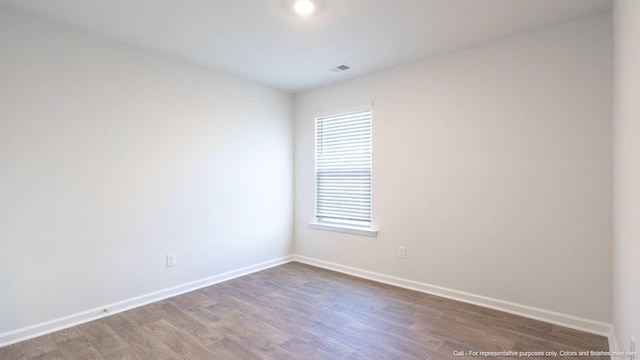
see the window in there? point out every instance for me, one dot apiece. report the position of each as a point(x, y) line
point(343, 169)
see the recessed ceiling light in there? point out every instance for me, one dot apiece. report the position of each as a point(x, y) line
point(304, 7)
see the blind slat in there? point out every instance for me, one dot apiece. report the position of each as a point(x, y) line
point(343, 167)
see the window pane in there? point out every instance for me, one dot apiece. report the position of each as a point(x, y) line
point(343, 168)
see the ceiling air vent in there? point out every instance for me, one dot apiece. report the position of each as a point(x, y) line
point(339, 68)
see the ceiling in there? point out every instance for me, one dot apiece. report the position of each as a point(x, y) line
point(263, 41)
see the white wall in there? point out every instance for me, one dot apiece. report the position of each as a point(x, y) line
point(626, 241)
point(491, 165)
point(111, 157)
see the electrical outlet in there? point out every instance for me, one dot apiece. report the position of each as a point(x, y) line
point(402, 252)
point(171, 260)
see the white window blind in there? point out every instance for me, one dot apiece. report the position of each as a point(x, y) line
point(343, 168)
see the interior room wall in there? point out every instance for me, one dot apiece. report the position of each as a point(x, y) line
point(626, 241)
point(492, 166)
point(112, 156)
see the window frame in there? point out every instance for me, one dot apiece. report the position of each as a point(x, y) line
point(364, 230)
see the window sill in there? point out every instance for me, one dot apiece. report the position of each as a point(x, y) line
point(344, 229)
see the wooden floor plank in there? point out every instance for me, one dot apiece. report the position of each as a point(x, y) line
point(228, 349)
point(181, 343)
point(141, 343)
point(79, 348)
point(336, 348)
point(12, 352)
point(182, 321)
point(66, 334)
point(53, 355)
point(297, 311)
point(38, 346)
point(102, 337)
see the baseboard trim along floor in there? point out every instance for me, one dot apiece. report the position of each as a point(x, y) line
point(36, 330)
point(574, 322)
point(570, 321)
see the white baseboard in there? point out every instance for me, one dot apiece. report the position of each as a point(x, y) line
point(36, 330)
point(570, 321)
point(613, 341)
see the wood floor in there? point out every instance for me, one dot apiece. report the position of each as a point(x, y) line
point(296, 311)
